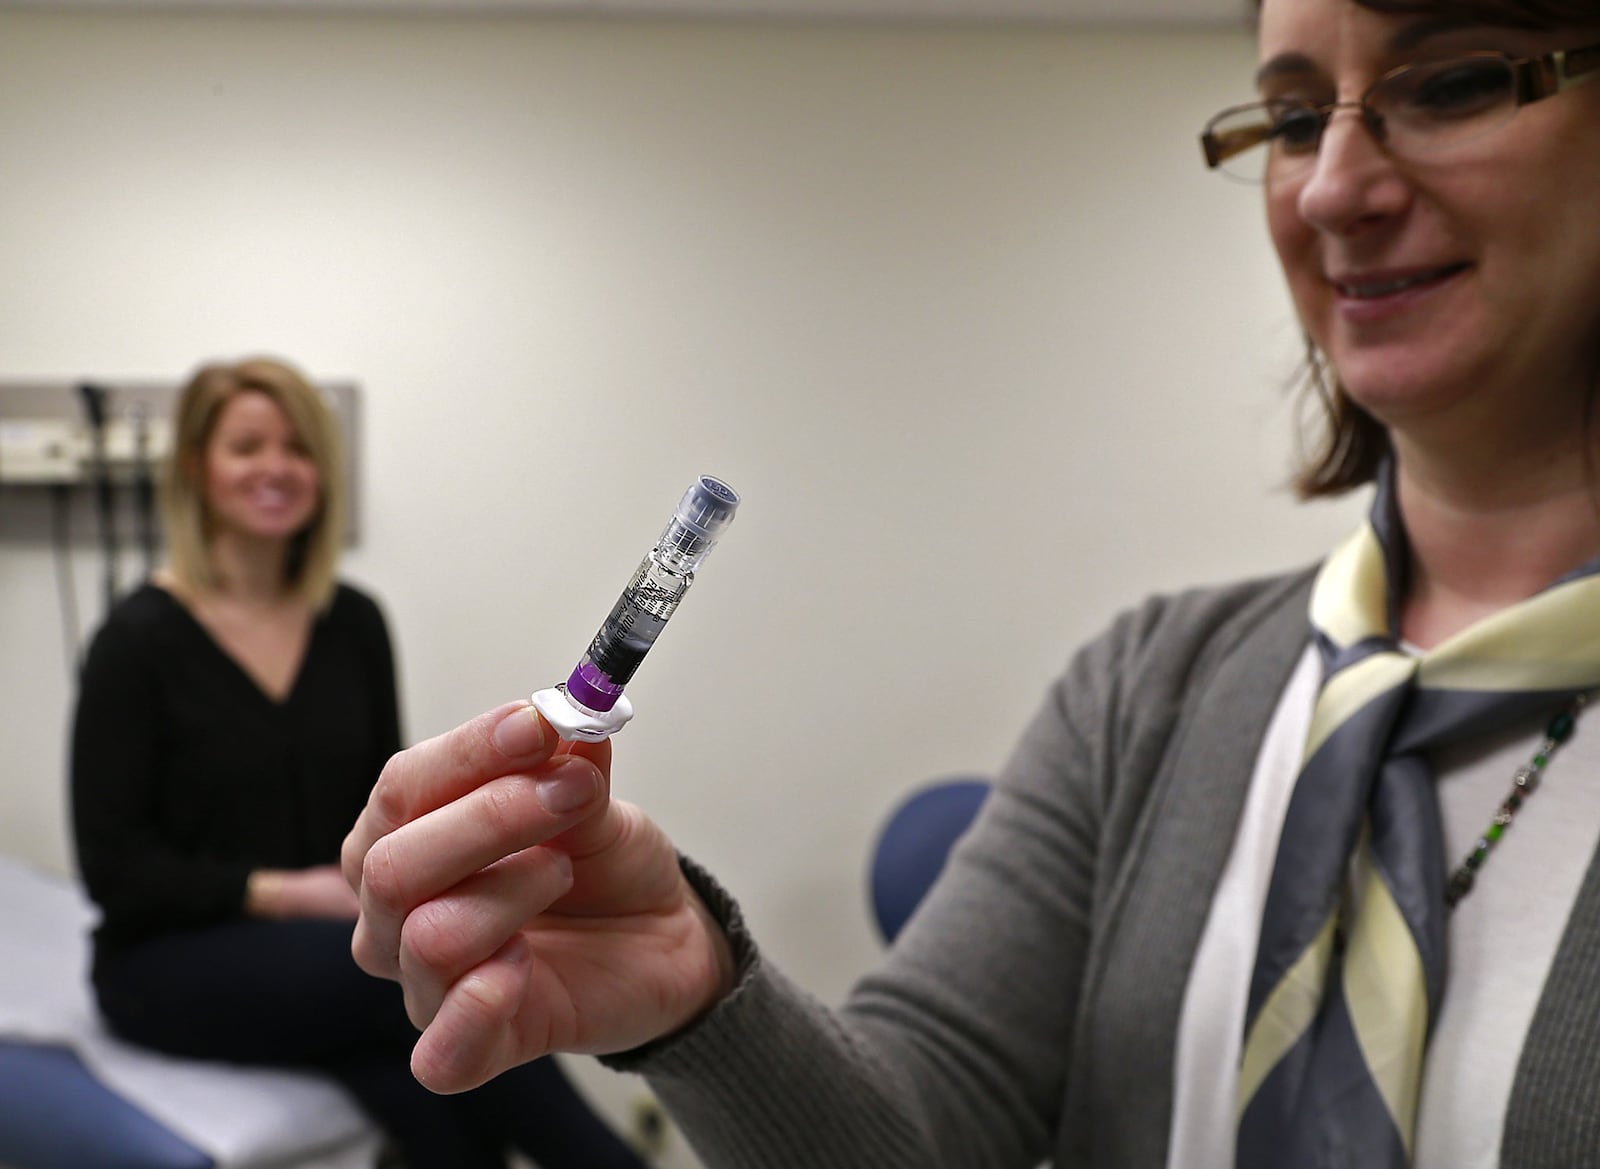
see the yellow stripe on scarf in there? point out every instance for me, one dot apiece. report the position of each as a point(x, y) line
point(1384, 988)
point(1286, 1014)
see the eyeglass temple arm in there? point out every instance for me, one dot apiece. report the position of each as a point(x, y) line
point(1221, 147)
point(1543, 76)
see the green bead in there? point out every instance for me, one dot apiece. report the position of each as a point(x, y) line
point(1524, 783)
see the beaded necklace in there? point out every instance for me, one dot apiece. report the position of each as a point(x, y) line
point(1523, 784)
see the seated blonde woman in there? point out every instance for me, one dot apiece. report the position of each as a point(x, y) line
point(234, 712)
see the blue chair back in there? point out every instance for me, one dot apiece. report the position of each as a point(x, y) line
point(913, 844)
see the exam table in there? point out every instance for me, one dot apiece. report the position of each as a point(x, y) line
point(74, 1097)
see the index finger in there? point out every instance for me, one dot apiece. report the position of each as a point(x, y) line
point(442, 769)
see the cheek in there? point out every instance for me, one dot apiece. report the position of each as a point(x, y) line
point(213, 478)
point(1541, 258)
point(1295, 245)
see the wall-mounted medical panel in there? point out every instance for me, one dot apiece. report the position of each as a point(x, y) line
point(49, 439)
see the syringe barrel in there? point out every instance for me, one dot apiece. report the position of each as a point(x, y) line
point(627, 634)
point(653, 595)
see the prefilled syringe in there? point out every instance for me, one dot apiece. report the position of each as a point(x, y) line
point(590, 704)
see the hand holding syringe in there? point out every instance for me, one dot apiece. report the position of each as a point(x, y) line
point(524, 909)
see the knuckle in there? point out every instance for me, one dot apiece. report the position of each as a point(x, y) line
point(351, 858)
point(388, 802)
point(368, 955)
point(465, 747)
point(501, 808)
point(486, 1000)
point(431, 937)
point(381, 879)
point(419, 1012)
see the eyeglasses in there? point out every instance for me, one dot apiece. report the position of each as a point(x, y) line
point(1413, 111)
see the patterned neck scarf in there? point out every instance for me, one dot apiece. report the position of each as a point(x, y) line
point(1350, 970)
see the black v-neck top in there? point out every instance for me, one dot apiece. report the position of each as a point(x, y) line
point(186, 775)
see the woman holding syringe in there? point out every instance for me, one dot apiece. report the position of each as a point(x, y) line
point(1296, 872)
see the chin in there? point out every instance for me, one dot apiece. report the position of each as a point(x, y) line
point(286, 529)
point(1394, 385)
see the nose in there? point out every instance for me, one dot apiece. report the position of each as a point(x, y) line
point(1353, 182)
point(278, 461)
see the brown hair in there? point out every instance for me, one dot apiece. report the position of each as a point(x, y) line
point(1538, 14)
point(1348, 444)
point(314, 552)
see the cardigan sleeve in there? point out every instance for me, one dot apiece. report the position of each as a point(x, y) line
point(128, 865)
point(959, 1049)
point(955, 1051)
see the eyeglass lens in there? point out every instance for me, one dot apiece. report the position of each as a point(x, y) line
point(1415, 111)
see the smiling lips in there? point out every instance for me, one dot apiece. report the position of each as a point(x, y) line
point(273, 499)
point(1377, 285)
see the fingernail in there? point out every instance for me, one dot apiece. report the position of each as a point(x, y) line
point(520, 733)
point(569, 787)
point(563, 864)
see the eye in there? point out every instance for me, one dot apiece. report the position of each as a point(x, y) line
point(1453, 90)
point(1296, 128)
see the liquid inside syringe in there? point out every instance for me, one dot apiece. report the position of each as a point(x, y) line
point(626, 635)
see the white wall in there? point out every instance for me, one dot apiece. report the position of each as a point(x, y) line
point(961, 314)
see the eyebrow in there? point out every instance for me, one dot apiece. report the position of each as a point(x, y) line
point(1408, 38)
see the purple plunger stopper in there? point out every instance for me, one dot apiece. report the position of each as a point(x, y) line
point(588, 686)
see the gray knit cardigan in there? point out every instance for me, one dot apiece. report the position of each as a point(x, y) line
point(1030, 1009)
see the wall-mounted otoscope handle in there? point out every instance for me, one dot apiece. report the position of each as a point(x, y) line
point(94, 398)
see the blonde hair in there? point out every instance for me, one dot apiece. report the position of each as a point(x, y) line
point(314, 552)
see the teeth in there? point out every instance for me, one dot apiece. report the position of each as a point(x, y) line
point(1390, 287)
